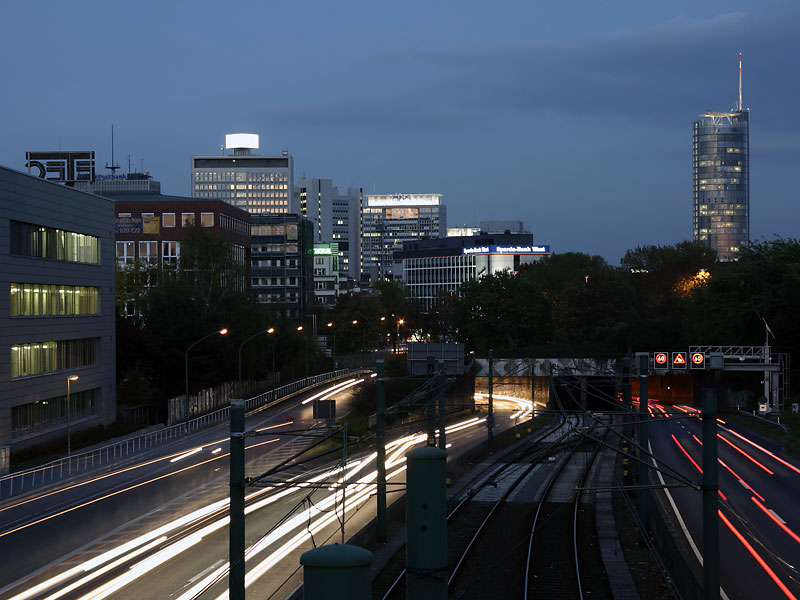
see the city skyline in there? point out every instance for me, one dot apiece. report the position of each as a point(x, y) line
point(581, 128)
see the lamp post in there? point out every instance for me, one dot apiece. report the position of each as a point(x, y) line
point(333, 351)
point(270, 330)
point(69, 446)
point(300, 328)
point(397, 334)
point(186, 372)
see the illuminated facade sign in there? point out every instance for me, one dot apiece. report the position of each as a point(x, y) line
point(61, 167)
point(506, 250)
point(322, 250)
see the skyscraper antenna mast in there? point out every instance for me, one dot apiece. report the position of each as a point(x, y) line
point(113, 166)
point(740, 81)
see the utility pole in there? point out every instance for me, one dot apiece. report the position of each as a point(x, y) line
point(380, 441)
point(710, 496)
point(430, 405)
point(644, 470)
point(237, 485)
point(441, 398)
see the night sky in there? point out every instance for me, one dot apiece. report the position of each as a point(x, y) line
point(574, 117)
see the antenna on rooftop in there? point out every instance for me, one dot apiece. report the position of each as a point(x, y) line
point(113, 166)
point(740, 81)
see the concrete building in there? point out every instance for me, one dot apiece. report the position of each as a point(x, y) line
point(388, 220)
point(435, 267)
point(329, 281)
point(335, 217)
point(259, 184)
point(721, 179)
point(281, 263)
point(56, 311)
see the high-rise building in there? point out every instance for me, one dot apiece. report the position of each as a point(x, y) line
point(258, 184)
point(388, 220)
point(335, 218)
point(282, 252)
point(721, 178)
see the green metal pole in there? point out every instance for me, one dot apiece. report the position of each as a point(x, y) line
point(441, 398)
point(710, 496)
point(337, 572)
point(426, 524)
point(380, 441)
point(627, 427)
point(430, 405)
point(644, 470)
point(490, 417)
point(237, 485)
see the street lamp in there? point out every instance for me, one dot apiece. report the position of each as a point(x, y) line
point(397, 334)
point(69, 448)
point(300, 328)
point(186, 364)
point(270, 330)
point(333, 351)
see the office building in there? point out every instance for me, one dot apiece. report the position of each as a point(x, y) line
point(436, 267)
point(57, 318)
point(150, 228)
point(329, 281)
point(282, 255)
point(259, 184)
point(721, 179)
point(388, 220)
point(335, 217)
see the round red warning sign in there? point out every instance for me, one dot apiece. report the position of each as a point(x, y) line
point(661, 358)
point(698, 360)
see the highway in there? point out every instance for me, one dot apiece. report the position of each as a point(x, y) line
point(158, 528)
point(759, 516)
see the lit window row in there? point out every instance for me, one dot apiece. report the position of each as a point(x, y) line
point(41, 299)
point(38, 358)
point(56, 244)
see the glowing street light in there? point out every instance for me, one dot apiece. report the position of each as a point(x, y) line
point(186, 364)
point(69, 447)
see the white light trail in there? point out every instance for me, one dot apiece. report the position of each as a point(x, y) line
point(187, 454)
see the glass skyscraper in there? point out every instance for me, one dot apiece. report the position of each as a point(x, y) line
point(721, 177)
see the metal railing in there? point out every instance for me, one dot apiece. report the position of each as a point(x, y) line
point(63, 468)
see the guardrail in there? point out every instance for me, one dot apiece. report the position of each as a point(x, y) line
point(63, 468)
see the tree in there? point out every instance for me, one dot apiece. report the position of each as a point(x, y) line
point(502, 310)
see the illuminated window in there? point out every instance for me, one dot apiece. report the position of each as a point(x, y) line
point(168, 219)
point(42, 299)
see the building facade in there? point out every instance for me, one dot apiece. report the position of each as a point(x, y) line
point(57, 318)
point(150, 229)
point(436, 267)
point(335, 217)
point(282, 255)
point(329, 281)
point(721, 181)
point(255, 183)
point(388, 220)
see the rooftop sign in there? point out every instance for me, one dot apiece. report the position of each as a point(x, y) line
point(241, 140)
point(506, 250)
point(61, 167)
